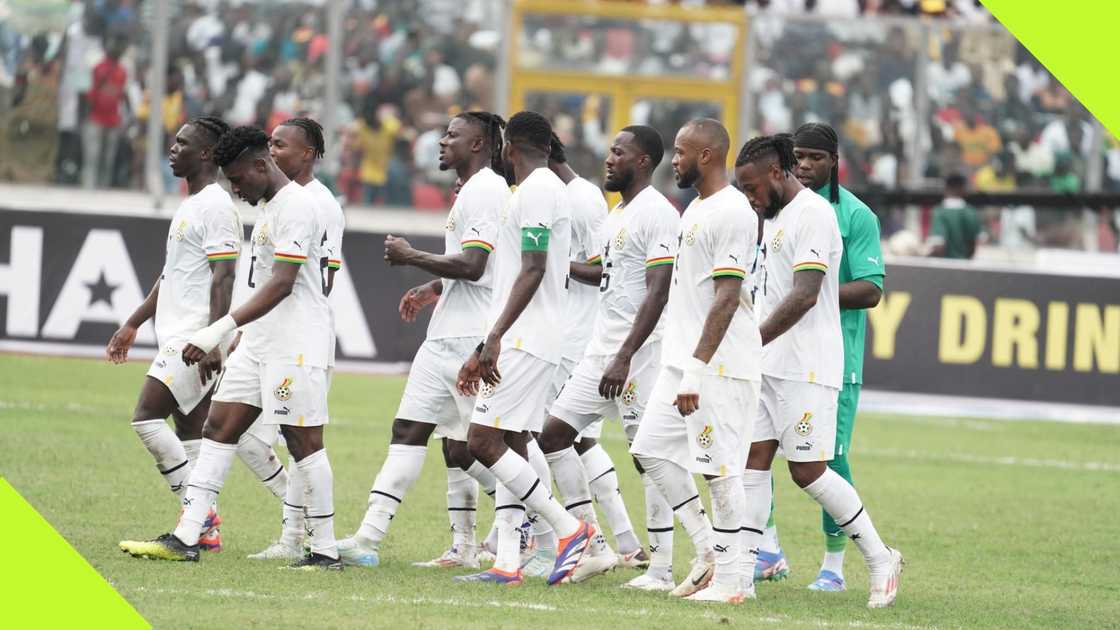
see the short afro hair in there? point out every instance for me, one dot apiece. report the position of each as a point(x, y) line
point(649, 142)
point(238, 141)
point(530, 129)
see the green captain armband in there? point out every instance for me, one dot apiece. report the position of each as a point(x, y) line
point(534, 239)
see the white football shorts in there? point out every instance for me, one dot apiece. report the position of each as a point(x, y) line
point(581, 406)
point(518, 402)
point(430, 396)
point(800, 416)
point(180, 379)
point(288, 394)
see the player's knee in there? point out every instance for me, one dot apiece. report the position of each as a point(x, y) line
point(411, 433)
point(585, 444)
point(805, 473)
point(761, 455)
point(302, 442)
point(485, 449)
point(557, 436)
point(457, 454)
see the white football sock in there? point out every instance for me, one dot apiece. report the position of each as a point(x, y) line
point(758, 492)
point(679, 489)
point(727, 519)
point(770, 542)
point(401, 469)
point(262, 460)
point(462, 506)
point(171, 458)
point(509, 513)
point(659, 527)
point(603, 481)
point(206, 480)
point(834, 561)
point(571, 481)
point(293, 524)
point(192, 448)
point(842, 503)
point(518, 477)
point(484, 477)
point(316, 470)
point(544, 538)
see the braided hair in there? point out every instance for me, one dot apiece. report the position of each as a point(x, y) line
point(237, 141)
point(556, 150)
point(312, 132)
point(492, 126)
point(823, 138)
point(212, 125)
point(779, 146)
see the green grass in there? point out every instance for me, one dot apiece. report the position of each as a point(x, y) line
point(1004, 524)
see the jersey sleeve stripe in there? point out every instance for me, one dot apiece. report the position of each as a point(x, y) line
point(729, 272)
point(483, 245)
point(218, 256)
point(334, 264)
point(814, 266)
point(595, 260)
point(656, 262)
point(290, 258)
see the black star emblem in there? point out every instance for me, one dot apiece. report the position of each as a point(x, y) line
point(101, 291)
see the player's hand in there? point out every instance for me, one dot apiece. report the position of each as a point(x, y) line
point(396, 250)
point(210, 366)
point(120, 343)
point(467, 383)
point(192, 354)
point(414, 301)
point(202, 342)
point(488, 361)
point(613, 382)
point(688, 392)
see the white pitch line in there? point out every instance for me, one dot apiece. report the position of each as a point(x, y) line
point(1028, 462)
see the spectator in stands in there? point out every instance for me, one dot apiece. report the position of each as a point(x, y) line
point(103, 130)
point(955, 227)
point(28, 142)
point(979, 141)
point(376, 132)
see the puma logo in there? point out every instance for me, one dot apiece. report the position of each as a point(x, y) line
point(475, 230)
point(298, 245)
point(536, 238)
point(815, 253)
point(873, 260)
point(720, 548)
point(733, 257)
point(665, 247)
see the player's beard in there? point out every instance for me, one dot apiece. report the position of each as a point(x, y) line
point(774, 205)
point(619, 182)
point(687, 178)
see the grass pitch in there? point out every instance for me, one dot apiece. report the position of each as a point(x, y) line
point(1003, 524)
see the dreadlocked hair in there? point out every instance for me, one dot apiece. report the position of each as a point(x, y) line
point(312, 131)
point(213, 125)
point(823, 137)
point(556, 150)
point(237, 141)
point(779, 145)
point(530, 129)
point(492, 126)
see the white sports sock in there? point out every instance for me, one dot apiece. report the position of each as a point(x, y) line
point(316, 469)
point(484, 477)
point(509, 513)
point(206, 480)
point(171, 458)
point(842, 503)
point(603, 482)
point(401, 469)
point(727, 520)
point(293, 524)
point(462, 506)
point(571, 481)
point(770, 540)
point(544, 538)
point(679, 489)
point(518, 477)
point(758, 492)
point(192, 448)
point(834, 561)
point(659, 527)
point(262, 460)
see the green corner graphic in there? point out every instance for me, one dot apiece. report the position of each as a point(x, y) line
point(47, 584)
point(1075, 42)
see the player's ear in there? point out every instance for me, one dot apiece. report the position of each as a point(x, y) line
point(260, 165)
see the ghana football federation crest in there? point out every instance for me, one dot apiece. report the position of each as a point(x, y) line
point(630, 396)
point(776, 243)
point(283, 391)
point(705, 439)
point(450, 226)
point(486, 390)
point(620, 238)
point(181, 231)
point(690, 236)
point(262, 235)
point(804, 427)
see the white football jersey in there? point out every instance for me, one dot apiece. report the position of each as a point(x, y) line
point(634, 238)
point(589, 210)
point(716, 237)
point(804, 236)
point(540, 201)
point(473, 222)
point(335, 222)
point(297, 331)
point(206, 228)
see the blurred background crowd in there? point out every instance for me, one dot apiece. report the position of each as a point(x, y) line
point(920, 90)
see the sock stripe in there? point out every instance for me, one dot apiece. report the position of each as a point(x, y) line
point(294, 507)
point(191, 485)
point(510, 507)
point(750, 529)
point(849, 521)
point(577, 504)
point(531, 489)
point(727, 531)
point(174, 468)
point(461, 509)
point(602, 475)
point(386, 494)
point(685, 502)
point(659, 530)
point(273, 475)
point(331, 515)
